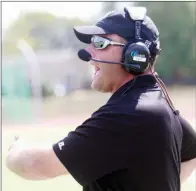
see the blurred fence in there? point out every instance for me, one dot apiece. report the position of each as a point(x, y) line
point(59, 77)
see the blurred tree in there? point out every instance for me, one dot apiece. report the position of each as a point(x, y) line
point(107, 7)
point(41, 31)
point(177, 26)
point(176, 22)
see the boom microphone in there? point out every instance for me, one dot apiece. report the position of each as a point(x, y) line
point(85, 56)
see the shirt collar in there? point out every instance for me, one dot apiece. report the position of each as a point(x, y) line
point(144, 81)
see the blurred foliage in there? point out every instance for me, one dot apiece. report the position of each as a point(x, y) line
point(177, 26)
point(41, 31)
point(108, 6)
point(176, 22)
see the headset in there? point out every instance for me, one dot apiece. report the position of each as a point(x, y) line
point(136, 55)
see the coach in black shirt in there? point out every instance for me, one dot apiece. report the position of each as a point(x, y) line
point(131, 143)
point(137, 141)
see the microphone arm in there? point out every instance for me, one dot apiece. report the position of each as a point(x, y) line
point(85, 56)
point(103, 61)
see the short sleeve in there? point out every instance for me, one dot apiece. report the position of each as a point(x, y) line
point(106, 143)
point(188, 151)
point(91, 150)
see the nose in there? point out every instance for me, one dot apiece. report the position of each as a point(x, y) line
point(90, 50)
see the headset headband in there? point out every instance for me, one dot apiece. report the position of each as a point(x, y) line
point(138, 14)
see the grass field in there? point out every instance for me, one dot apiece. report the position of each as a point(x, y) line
point(78, 108)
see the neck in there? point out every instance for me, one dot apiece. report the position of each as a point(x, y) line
point(129, 78)
point(121, 83)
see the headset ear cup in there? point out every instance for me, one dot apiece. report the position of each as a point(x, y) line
point(124, 51)
point(136, 58)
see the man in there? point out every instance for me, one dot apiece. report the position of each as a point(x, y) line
point(137, 140)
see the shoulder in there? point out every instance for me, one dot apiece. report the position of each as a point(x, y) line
point(127, 113)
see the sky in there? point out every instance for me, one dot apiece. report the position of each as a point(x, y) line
point(85, 10)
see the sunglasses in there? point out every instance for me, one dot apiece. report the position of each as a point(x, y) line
point(102, 42)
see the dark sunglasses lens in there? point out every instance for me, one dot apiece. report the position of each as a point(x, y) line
point(99, 42)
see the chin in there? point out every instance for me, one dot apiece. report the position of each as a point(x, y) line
point(99, 88)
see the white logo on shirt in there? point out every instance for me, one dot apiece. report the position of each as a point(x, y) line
point(61, 144)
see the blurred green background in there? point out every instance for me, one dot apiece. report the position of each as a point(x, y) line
point(46, 88)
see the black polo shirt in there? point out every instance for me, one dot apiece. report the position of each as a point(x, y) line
point(132, 143)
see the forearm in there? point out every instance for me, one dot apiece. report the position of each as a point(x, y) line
point(22, 163)
point(34, 161)
point(187, 169)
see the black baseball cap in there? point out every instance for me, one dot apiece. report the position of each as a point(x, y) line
point(120, 24)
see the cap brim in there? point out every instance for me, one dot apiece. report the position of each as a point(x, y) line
point(84, 33)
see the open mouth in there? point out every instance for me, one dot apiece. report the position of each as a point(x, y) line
point(96, 70)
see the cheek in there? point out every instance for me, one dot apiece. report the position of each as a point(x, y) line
point(108, 70)
point(115, 54)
